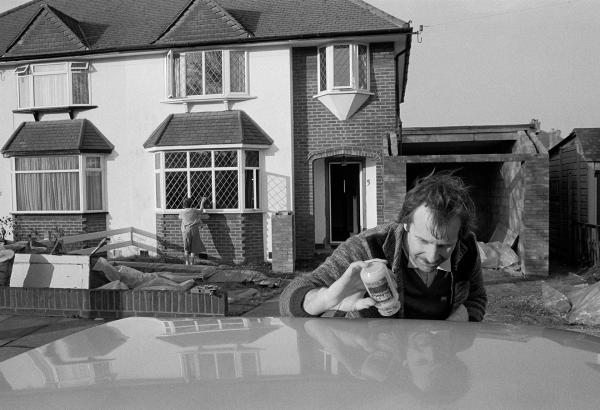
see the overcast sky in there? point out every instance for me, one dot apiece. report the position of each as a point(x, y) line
point(484, 62)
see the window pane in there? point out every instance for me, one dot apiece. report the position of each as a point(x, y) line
point(237, 71)
point(46, 163)
point(24, 91)
point(213, 71)
point(49, 68)
point(80, 88)
point(200, 159)
point(176, 84)
point(47, 192)
point(175, 189)
point(226, 189)
point(322, 69)
point(93, 185)
point(251, 158)
point(157, 161)
point(92, 162)
point(50, 90)
point(175, 160)
point(341, 66)
point(225, 159)
point(157, 179)
point(29, 192)
point(201, 185)
point(362, 67)
point(193, 73)
point(249, 189)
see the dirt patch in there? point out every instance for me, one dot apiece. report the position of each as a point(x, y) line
point(519, 300)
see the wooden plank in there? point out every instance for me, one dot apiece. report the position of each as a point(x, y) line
point(94, 235)
point(87, 251)
point(144, 233)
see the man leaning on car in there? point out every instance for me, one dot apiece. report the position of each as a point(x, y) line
point(431, 251)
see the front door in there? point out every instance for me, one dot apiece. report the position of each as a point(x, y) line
point(344, 200)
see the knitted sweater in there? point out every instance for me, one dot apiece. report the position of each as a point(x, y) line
point(385, 242)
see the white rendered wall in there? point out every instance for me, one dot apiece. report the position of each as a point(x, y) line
point(130, 93)
point(8, 123)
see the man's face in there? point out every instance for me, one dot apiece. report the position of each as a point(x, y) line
point(427, 249)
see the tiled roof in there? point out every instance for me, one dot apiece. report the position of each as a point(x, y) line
point(51, 31)
point(203, 20)
point(207, 128)
point(56, 137)
point(111, 25)
point(589, 138)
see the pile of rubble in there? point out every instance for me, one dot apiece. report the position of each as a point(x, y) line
point(205, 278)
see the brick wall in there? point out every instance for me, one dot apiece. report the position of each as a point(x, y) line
point(283, 243)
point(535, 233)
point(40, 225)
point(316, 129)
point(231, 238)
point(110, 304)
point(394, 187)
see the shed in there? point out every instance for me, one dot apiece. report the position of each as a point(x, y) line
point(574, 194)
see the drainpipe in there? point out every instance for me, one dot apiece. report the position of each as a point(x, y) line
point(398, 127)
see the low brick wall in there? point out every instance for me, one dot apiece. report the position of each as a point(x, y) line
point(110, 304)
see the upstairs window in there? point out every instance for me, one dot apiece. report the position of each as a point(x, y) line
point(53, 84)
point(229, 179)
point(343, 67)
point(210, 73)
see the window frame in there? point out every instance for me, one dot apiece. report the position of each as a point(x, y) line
point(81, 180)
point(353, 68)
point(174, 77)
point(69, 67)
point(160, 172)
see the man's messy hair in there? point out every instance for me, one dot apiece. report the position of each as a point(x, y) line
point(446, 196)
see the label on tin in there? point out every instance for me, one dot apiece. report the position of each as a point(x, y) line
point(380, 291)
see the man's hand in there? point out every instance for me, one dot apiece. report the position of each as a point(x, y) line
point(459, 315)
point(345, 294)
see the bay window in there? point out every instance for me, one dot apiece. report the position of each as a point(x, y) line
point(209, 73)
point(229, 179)
point(73, 183)
point(53, 84)
point(343, 67)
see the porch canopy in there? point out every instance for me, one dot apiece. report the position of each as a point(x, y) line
point(232, 127)
point(62, 137)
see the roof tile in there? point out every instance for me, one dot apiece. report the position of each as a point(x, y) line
point(50, 31)
point(207, 128)
point(51, 137)
point(129, 24)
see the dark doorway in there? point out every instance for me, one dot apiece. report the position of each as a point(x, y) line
point(344, 200)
